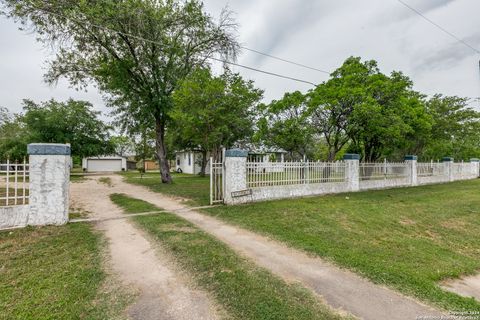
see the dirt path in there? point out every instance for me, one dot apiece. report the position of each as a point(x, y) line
point(467, 286)
point(341, 289)
point(163, 292)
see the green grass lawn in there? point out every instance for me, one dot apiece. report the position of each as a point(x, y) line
point(194, 188)
point(408, 238)
point(55, 273)
point(242, 289)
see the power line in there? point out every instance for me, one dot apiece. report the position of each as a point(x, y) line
point(284, 60)
point(439, 26)
point(156, 42)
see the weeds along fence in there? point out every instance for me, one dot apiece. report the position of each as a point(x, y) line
point(14, 183)
point(247, 180)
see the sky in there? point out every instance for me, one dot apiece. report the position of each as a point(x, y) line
point(317, 33)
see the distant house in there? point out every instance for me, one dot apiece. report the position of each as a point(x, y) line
point(189, 161)
point(105, 164)
point(267, 155)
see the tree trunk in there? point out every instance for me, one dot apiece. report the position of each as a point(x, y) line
point(204, 164)
point(161, 151)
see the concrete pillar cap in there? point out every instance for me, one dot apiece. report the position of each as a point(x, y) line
point(49, 149)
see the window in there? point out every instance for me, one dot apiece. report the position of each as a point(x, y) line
point(178, 161)
point(189, 159)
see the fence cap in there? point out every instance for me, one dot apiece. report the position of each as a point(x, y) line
point(474, 160)
point(49, 149)
point(236, 153)
point(351, 156)
point(447, 159)
point(410, 157)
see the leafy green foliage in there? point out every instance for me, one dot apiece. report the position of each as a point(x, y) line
point(285, 124)
point(102, 41)
point(358, 109)
point(455, 131)
point(213, 112)
point(73, 122)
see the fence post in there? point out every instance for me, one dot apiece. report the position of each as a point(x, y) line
point(411, 169)
point(49, 183)
point(352, 171)
point(476, 166)
point(448, 167)
point(235, 174)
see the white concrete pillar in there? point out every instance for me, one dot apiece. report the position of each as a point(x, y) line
point(352, 171)
point(49, 183)
point(447, 162)
point(235, 176)
point(476, 166)
point(411, 169)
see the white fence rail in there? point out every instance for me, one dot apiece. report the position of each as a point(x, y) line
point(430, 169)
point(14, 180)
point(263, 174)
point(382, 170)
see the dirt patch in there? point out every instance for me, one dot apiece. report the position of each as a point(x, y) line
point(454, 224)
point(466, 287)
point(407, 222)
point(164, 292)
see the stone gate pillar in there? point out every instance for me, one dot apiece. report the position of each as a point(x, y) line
point(235, 175)
point(411, 169)
point(352, 171)
point(448, 164)
point(49, 183)
point(475, 166)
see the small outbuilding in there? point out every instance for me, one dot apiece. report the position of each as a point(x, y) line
point(104, 164)
point(189, 161)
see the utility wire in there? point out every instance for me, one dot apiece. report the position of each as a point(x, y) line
point(439, 27)
point(156, 42)
point(284, 60)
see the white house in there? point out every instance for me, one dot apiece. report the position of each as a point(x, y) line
point(188, 161)
point(104, 164)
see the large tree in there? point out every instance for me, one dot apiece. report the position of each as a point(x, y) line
point(136, 51)
point(13, 136)
point(455, 131)
point(285, 124)
point(73, 122)
point(374, 114)
point(214, 112)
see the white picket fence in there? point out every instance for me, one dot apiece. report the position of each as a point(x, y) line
point(382, 170)
point(430, 169)
point(14, 183)
point(262, 174)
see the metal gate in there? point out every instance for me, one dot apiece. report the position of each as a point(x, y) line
point(217, 170)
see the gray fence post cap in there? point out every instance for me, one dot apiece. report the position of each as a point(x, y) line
point(447, 159)
point(410, 157)
point(474, 160)
point(236, 153)
point(48, 149)
point(351, 156)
